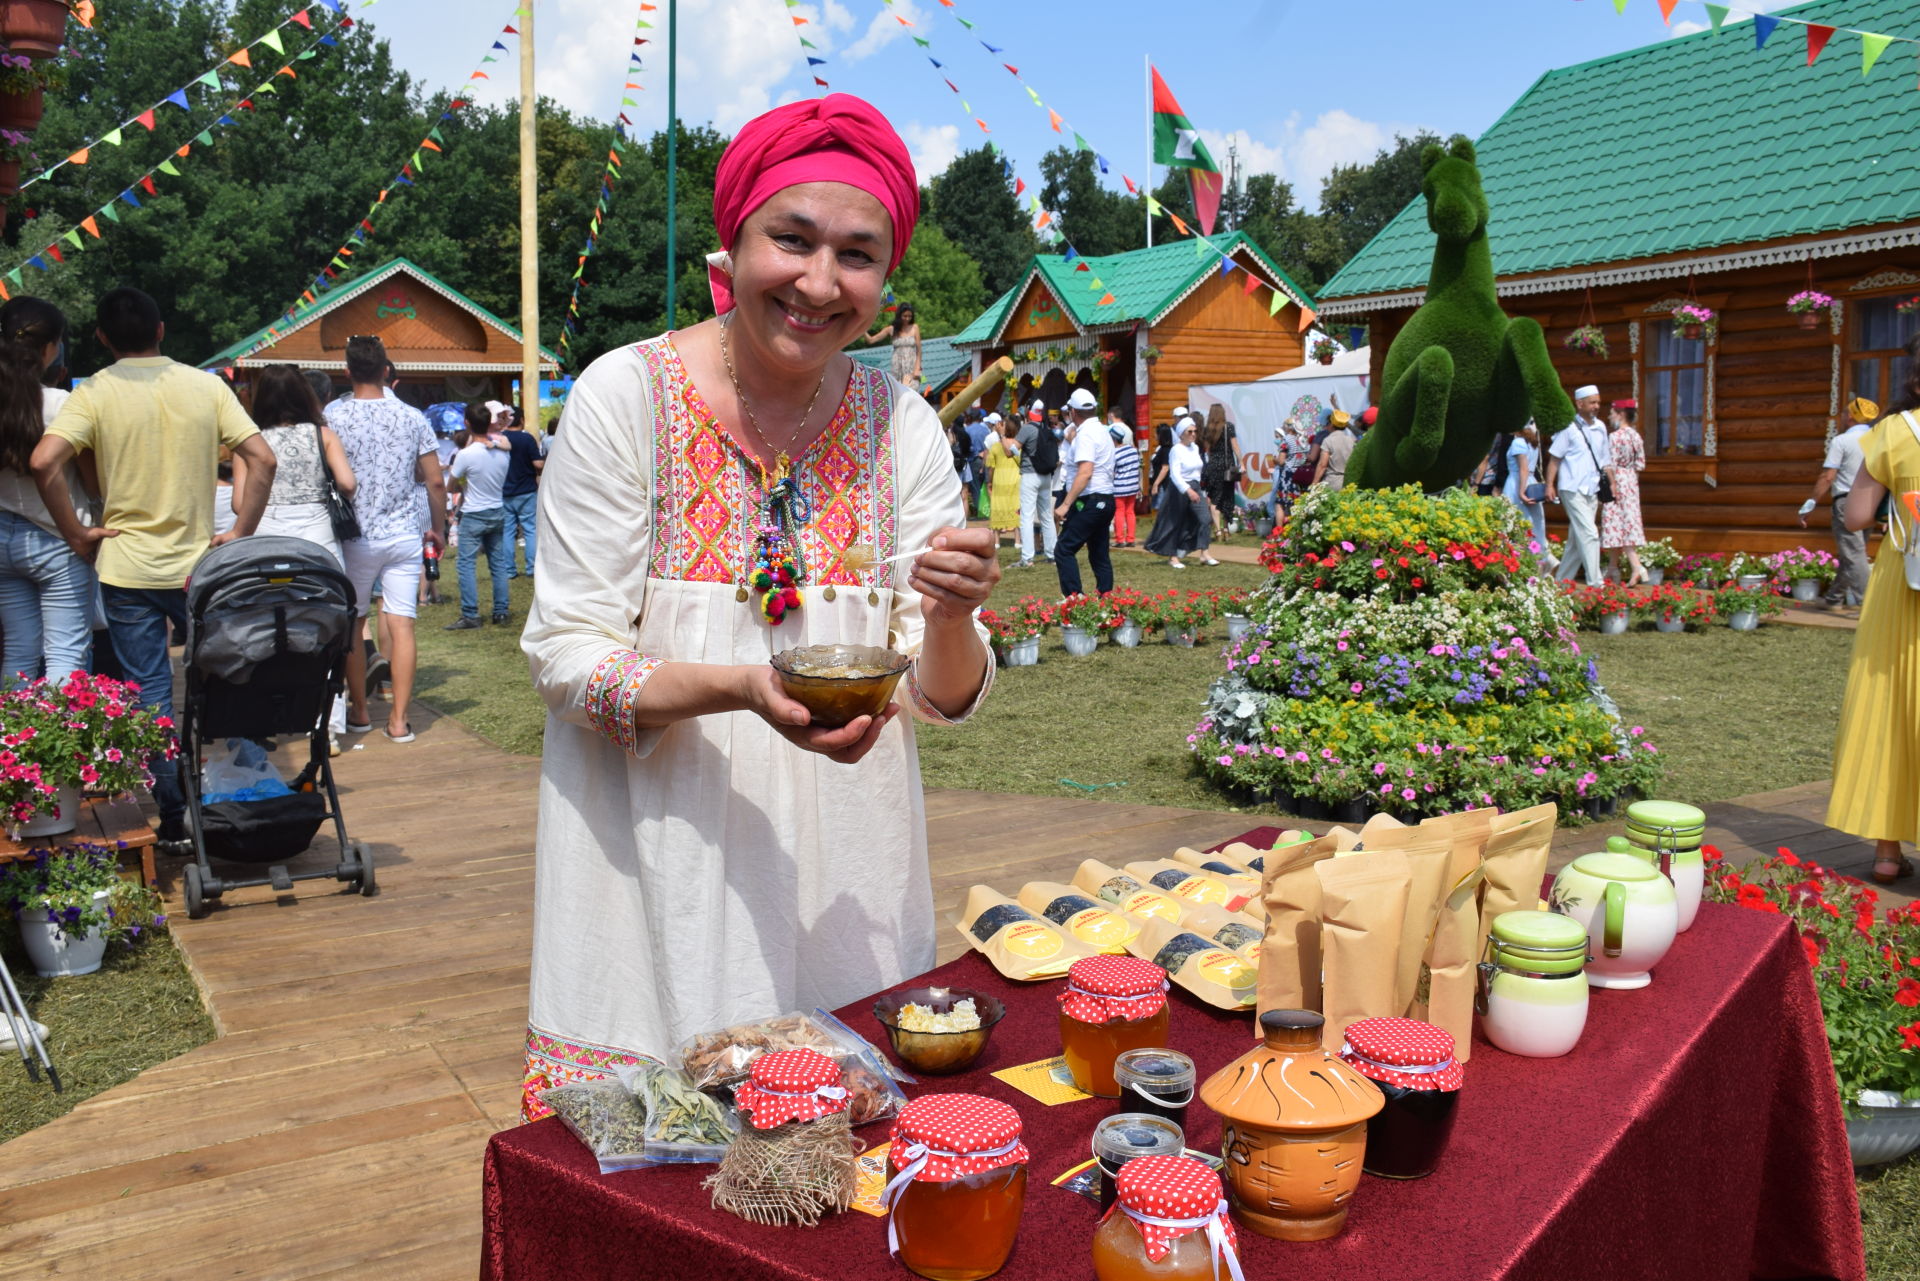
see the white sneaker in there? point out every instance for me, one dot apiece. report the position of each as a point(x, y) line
point(1175, 564)
point(1208, 560)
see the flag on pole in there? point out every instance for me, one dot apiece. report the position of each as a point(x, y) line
point(1177, 144)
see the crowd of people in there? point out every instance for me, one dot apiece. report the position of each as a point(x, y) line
point(110, 493)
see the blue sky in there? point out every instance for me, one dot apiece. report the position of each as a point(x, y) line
point(1300, 86)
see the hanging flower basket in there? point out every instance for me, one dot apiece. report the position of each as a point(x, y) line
point(1907, 306)
point(1811, 306)
point(36, 28)
point(1590, 339)
point(1324, 350)
point(1695, 321)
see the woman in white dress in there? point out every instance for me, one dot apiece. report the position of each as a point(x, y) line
point(705, 856)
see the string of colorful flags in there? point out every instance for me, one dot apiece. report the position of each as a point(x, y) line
point(241, 58)
point(809, 49)
point(1872, 43)
point(414, 168)
point(51, 256)
point(570, 324)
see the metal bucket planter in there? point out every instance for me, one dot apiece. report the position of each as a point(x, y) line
point(1655, 576)
point(1613, 624)
point(52, 822)
point(1238, 625)
point(1806, 589)
point(1669, 623)
point(1079, 641)
point(1744, 620)
point(1748, 582)
point(1887, 1129)
point(1184, 639)
point(1024, 653)
point(1128, 634)
point(56, 953)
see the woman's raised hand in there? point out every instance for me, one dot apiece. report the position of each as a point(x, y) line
point(957, 574)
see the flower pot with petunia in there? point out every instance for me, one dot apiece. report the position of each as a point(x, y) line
point(86, 734)
point(1589, 340)
point(61, 901)
point(1811, 307)
point(1324, 350)
point(1696, 322)
point(36, 28)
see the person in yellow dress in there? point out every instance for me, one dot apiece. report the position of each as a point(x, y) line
point(1003, 456)
point(1876, 757)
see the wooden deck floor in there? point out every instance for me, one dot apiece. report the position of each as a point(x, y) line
point(368, 1048)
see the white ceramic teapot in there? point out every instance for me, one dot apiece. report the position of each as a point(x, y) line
point(1629, 910)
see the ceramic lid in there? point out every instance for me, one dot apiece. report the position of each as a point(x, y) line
point(792, 1085)
point(957, 1134)
point(1253, 1089)
point(1615, 867)
point(1672, 814)
point(1165, 1195)
point(1548, 931)
point(1403, 1052)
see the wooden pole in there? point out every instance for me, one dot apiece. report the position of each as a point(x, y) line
point(989, 378)
point(529, 229)
point(673, 156)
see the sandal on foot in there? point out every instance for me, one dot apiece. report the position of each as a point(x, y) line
point(399, 738)
point(359, 727)
point(1888, 878)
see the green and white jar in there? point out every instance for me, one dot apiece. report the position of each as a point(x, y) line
point(1669, 834)
point(1533, 988)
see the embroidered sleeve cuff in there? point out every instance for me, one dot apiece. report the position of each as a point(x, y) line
point(612, 691)
point(924, 708)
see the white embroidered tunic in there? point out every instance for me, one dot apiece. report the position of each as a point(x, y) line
point(711, 873)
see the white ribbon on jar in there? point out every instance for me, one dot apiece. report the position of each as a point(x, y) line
point(1411, 1069)
point(916, 1157)
point(1216, 1235)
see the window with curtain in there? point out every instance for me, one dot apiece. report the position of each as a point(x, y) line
point(1877, 337)
point(1673, 409)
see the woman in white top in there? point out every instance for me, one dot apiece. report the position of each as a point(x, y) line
point(46, 592)
point(290, 417)
point(1185, 521)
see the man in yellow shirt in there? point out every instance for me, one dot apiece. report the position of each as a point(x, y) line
point(155, 427)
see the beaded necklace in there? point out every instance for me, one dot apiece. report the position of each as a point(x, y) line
point(779, 560)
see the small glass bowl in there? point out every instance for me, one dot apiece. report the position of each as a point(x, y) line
point(938, 1053)
point(834, 701)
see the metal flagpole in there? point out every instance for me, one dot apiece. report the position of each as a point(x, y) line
point(529, 230)
point(673, 153)
point(1146, 60)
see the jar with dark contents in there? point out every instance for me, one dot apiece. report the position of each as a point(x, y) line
point(1128, 1136)
point(1413, 1064)
point(1159, 1082)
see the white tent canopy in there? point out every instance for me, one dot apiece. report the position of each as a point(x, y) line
point(1258, 409)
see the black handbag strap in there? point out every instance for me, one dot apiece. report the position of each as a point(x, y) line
point(1588, 442)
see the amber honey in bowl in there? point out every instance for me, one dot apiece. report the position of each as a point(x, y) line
point(838, 684)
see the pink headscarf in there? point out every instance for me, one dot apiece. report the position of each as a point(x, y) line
point(838, 138)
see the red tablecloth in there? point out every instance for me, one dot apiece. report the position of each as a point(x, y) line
point(1694, 1133)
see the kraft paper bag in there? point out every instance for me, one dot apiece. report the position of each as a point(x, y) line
point(1290, 955)
point(1021, 945)
point(1457, 942)
point(1428, 851)
point(1221, 978)
point(1516, 862)
point(1363, 908)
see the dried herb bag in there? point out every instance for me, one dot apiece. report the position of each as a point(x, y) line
point(1128, 893)
point(1198, 964)
point(1099, 925)
point(1020, 944)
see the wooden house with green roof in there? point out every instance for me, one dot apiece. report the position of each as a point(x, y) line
point(1702, 169)
point(445, 346)
point(1160, 320)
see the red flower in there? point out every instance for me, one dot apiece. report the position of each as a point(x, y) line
point(1786, 856)
point(1910, 1037)
point(1710, 854)
point(1812, 949)
point(1731, 881)
point(1831, 910)
point(1751, 896)
point(1909, 993)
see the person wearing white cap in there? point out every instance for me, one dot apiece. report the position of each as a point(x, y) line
point(1035, 485)
point(1087, 508)
point(1574, 472)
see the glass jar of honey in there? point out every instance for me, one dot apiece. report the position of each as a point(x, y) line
point(1169, 1223)
point(1112, 1004)
point(956, 1184)
point(1413, 1064)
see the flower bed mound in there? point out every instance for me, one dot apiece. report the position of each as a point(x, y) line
point(1412, 653)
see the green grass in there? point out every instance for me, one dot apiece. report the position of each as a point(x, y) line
point(480, 677)
point(139, 1009)
point(1890, 1217)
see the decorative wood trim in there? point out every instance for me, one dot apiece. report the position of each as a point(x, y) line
point(1709, 424)
point(1885, 278)
point(1837, 323)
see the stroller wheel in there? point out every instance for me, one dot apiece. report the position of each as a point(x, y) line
point(196, 899)
point(367, 886)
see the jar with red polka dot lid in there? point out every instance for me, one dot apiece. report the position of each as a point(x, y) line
point(1112, 1004)
point(1169, 1222)
point(956, 1185)
point(1413, 1064)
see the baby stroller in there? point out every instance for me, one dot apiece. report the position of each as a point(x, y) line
point(269, 620)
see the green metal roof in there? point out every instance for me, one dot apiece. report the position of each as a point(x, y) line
point(267, 335)
point(1693, 143)
point(940, 361)
point(1145, 284)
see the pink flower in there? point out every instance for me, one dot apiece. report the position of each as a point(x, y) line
point(1226, 760)
point(1408, 794)
point(1379, 768)
point(1386, 789)
point(1326, 753)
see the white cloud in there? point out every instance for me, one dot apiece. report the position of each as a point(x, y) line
point(883, 30)
point(1685, 29)
point(1303, 152)
point(933, 147)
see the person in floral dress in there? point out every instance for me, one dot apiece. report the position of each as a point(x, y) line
point(1620, 525)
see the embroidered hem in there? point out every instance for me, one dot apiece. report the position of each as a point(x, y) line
point(553, 1060)
point(923, 706)
point(612, 691)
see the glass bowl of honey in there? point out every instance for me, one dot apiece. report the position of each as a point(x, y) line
point(938, 1031)
point(838, 684)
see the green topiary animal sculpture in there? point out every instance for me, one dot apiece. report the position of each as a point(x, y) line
point(1461, 370)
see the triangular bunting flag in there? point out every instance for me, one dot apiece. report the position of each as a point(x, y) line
point(1180, 227)
point(1871, 47)
point(112, 138)
point(1081, 144)
point(92, 225)
point(1817, 37)
point(204, 138)
point(211, 80)
point(1227, 265)
point(1053, 118)
point(302, 18)
point(145, 118)
point(1763, 25)
point(1106, 300)
point(1153, 206)
point(54, 252)
point(1278, 301)
point(241, 58)
point(272, 41)
point(1253, 283)
point(74, 237)
point(1619, 6)
point(179, 99)
point(166, 167)
point(146, 184)
point(1716, 14)
point(1666, 10)
point(1307, 317)
point(38, 261)
point(112, 214)
point(79, 157)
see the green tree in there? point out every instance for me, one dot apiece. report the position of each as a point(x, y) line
point(973, 203)
point(1358, 200)
point(1095, 220)
point(941, 282)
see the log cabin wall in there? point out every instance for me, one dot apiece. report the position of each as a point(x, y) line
point(1774, 389)
point(1219, 333)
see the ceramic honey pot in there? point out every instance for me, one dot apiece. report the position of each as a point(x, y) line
point(1669, 835)
point(1295, 1130)
point(1629, 911)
